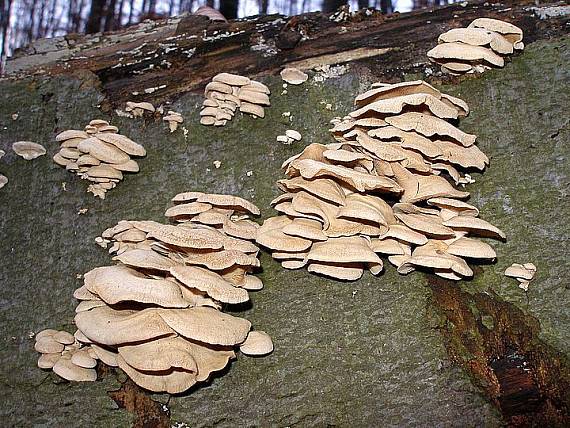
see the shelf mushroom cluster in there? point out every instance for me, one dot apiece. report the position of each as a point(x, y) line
point(381, 188)
point(227, 93)
point(157, 314)
point(523, 273)
point(482, 45)
point(66, 356)
point(98, 154)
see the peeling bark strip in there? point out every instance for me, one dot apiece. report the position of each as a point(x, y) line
point(499, 347)
point(147, 412)
point(184, 54)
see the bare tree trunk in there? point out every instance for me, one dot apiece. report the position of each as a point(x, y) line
point(96, 15)
point(41, 27)
point(31, 22)
point(131, 14)
point(210, 3)
point(110, 16)
point(229, 8)
point(151, 7)
point(386, 6)
point(332, 5)
point(6, 9)
point(362, 4)
point(264, 6)
point(119, 22)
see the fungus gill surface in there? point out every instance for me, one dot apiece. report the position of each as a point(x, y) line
point(227, 93)
point(98, 154)
point(482, 45)
point(385, 187)
point(158, 313)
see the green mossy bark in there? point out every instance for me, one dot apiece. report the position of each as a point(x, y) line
point(357, 354)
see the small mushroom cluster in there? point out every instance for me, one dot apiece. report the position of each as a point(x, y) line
point(290, 137)
point(139, 109)
point(157, 314)
point(66, 356)
point(382, 188)
point(227, 93)
point(98, 154)
point(174, 119)
point(522, 273)
point(482, 45)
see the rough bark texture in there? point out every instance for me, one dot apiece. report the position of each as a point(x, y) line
point(389, 351)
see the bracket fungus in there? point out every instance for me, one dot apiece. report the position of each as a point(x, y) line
point(385, 187)
point(227, 93)
point(482, 45)
point(98, 154)
point(158, 313)
point(523, 273)
point(293, 76)
point(174, 119)
point(3, 180)
point(28, 150)
point(138, 109)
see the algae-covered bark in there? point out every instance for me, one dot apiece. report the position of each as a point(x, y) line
point(363, 353)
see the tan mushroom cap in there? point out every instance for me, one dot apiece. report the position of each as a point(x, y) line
point(82, 359)
point(464, 52)
point(123, 143)
point(293, 76)
point(71, 134)
point(305, 228)
point(343, 156)
point(309, 169)
point(63, 337)
point(105, 355)
point(211, 283)
point(386, 91)
point(348, 272)
point(218, 200)
point(3, 180)
point(429, 125)
point(518, 271)
point(389, 246)
point(511, 32)
point(207, 325)
point(404, 233)
point(187, 237)
point(171, 381)
point(426, 224)
point(45, 333)
point(271, 235)
point(47, 361)
point(253, 97)
point(142, 105)
point(257, 343)
point(28, 150)
point(104, 171)
point(254, 109)
point(160, 354)
point(188, 209)
point(397, 104)
point(408, 140)
point(472, 248)
point(146, 259)
point(220, 260)
point(231, 79)
point(324, 188)
point(48, 345)
point(69, 371)
point(474, 224)
point(103, 151)
point(244, 228)
point(455, 205)
point(87, 305)
point(353, 249)
point(114, 284)
point(477, 37)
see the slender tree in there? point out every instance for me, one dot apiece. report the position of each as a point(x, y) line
point(332, 5)
point(362, 4)
point(229, 8)
point(96, 15)
point(6, 11)
point(386, 6)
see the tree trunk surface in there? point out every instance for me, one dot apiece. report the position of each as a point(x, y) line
point(383, 351)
